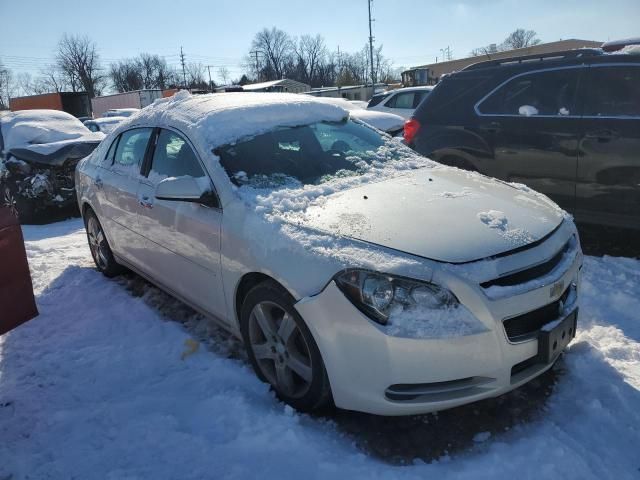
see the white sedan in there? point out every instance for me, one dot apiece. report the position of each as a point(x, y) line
point(354, 270)
point(401, 102)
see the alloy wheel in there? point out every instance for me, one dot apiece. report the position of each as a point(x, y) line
point(97, 243)
point(281, 351)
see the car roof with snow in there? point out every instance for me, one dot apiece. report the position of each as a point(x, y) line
point(221, 118)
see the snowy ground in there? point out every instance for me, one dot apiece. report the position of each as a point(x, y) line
point(96, 387)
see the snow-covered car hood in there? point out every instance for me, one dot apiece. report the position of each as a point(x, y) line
point(442, 214)
point(46, 136)
point(387, 122)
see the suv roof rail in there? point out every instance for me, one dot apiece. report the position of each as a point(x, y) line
point(564, 55)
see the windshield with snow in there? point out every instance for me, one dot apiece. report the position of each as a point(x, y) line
point(309, 154)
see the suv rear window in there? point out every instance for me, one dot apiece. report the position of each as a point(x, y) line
point(550, 92)
point(613, 91)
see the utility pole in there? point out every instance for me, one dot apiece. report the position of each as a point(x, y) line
point(373, 78)
point(255, 52)
point(446, 53)
point(209, 70)
point(184, 74)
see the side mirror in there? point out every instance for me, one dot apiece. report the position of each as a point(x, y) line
point(187, 189)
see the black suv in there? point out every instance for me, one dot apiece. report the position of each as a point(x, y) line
point(566, 124)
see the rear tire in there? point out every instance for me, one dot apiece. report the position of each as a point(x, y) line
point(100, 249)
point(281, 348)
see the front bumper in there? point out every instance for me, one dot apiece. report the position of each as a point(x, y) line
point(373, 372)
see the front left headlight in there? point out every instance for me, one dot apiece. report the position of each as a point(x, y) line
point(379, 295)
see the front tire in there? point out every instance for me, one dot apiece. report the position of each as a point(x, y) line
point(100, 249)
point(281, 348)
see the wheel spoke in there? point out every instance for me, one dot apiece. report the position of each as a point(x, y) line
point(264, 321)
point(287, 327)
point(263, 351)
point(297, 364)
point(99, 237)
point(102, 257)
point(284, 378)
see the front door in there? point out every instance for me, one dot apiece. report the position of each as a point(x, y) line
point(118, 180)
point(608, 190)
point(536, 116)
point(183, 238)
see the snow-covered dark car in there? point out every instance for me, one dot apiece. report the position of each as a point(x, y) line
point(39, 150)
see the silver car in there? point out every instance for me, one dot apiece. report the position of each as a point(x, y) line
point(354, 270)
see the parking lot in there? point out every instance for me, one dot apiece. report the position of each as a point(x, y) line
point(103, 381)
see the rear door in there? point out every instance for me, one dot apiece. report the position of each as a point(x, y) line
point(402, 103)
point(536, 122)
point(608, 189)
point(117, 181)
point(183, 238)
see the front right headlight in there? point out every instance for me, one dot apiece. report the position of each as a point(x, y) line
point(379, 295)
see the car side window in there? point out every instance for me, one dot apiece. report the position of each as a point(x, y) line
point(173, 157)
point(613, 92)
point(548, 93)
point(419, 96)
point(108, 159)
point(401, 100)
point(131, 148)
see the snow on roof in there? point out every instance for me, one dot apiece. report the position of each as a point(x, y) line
point(33, 129)
point(222, 118)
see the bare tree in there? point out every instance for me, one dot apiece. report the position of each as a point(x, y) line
point(520, 38)
point(484, 51)
point(275, 47)
point(79, 60)
point(154, 71)
point(223, 74)
point(196, 76)
point(126, 75)
point(310, 52)
point(7, 87)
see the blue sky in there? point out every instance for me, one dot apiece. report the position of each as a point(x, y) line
point(220, 32)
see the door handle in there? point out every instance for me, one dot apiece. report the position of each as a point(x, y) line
point(98, 182)
point(145, 202)
point(602, 135)
point(491, 127)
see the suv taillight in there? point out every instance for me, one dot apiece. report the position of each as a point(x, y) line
point(411, 128)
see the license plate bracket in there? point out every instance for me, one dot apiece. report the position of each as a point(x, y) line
point(552, 342)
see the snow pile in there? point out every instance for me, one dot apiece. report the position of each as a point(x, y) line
point(436, 323)
point(292, 198)
point(223, 118)
point(630, 50)
point(527, 110)
point(498, 220)
point(43, 131)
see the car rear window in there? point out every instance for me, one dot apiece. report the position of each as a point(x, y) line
point(454, 96)
point(376, 99)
